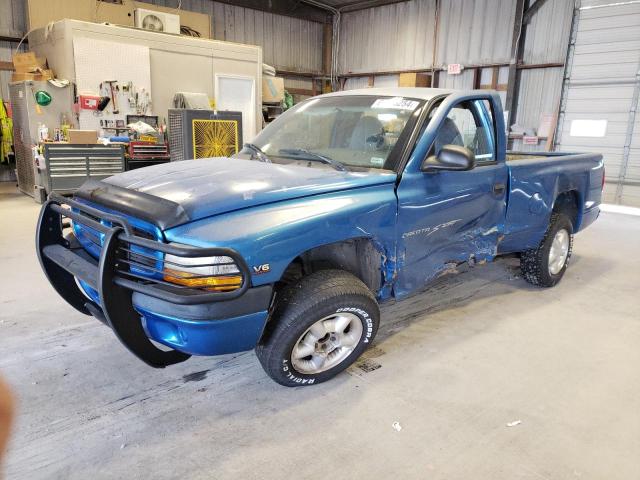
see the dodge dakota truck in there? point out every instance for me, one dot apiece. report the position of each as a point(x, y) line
point(345, 201)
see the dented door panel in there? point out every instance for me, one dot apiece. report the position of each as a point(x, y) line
point(447, 218)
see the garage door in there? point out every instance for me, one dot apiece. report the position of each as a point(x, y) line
point(600, 93)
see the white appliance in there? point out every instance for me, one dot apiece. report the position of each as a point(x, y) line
point(157, 21)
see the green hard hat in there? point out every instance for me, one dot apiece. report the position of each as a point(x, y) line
point(43, 98)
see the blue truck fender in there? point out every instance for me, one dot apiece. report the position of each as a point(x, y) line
point(270, 237)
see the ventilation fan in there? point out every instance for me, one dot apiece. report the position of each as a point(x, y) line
point(157, 21)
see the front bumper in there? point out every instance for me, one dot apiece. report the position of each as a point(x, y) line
point(137, 309)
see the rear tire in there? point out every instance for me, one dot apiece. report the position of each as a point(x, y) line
point(320, 326)
point(545, 265)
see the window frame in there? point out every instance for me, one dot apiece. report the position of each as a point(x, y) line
point(481, 117)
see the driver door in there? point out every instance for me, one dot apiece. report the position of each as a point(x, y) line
point(448, 217)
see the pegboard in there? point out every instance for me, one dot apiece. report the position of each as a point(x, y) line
point(100, 60)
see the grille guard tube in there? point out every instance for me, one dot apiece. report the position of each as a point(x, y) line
point(62, 265)
point(120, 314)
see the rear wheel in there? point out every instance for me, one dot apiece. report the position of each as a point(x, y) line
point(545, 265)
point(320, 326)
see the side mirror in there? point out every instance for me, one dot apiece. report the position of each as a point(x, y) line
point(451, 157)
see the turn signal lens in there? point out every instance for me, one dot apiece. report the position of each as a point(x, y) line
point(216, 284)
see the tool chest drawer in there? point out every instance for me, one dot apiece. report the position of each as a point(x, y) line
point(69, 166)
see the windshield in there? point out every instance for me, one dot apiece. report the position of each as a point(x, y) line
point(338, 132)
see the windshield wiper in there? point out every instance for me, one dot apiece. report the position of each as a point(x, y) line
point(308, 155)
point(258, 151)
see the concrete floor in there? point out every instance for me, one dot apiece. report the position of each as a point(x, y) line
point(453, 366)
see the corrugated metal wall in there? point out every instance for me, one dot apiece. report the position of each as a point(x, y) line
point(546, 41)
point(12, 18)
point(401, 36)
point(12, 24)
point(288, 43)
point(392, 37)
point(471, 32)
point(6, 49)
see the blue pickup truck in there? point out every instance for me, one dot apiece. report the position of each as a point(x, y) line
point(345, 201)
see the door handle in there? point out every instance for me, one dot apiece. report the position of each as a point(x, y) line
point(499, 188)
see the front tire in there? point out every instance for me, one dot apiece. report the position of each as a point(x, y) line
point(545, 265)
point(320, 326)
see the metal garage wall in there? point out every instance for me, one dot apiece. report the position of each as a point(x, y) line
point(602, 83)
point(12, 24)
point(546, 41)
point(6, 48)
point(474, 32)
point(401, 36)
point(392, 37)
point(287, 43)
point(471, 32)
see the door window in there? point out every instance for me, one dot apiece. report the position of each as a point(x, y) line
point(469, 125)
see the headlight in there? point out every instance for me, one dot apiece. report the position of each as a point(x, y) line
point(218, 273)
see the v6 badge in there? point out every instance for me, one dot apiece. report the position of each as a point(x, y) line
point(260, 269)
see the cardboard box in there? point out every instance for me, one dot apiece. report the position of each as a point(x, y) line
point(28, 63)
point(83, 136)
point(272, 89)
point(39, 75)
point(29, 67)
point(414, 79)
point(19, 77)
point(45, 74)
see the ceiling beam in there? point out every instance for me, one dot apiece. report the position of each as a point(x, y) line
point(532, 10)
point(362, 4)
point(517, 51)
point(289, 8)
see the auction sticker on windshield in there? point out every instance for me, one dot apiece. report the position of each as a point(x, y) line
point(399, 103)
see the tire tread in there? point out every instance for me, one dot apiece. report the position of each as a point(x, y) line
point(533, 262)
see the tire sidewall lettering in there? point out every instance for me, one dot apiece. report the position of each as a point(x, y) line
point(364, 316)
point(302, 381)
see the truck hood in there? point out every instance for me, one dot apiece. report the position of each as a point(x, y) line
point(212, 186)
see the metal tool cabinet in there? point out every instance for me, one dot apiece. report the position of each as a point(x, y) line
point(68, 166)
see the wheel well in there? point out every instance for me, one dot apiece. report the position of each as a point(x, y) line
point(358, 256)
point(568, 204)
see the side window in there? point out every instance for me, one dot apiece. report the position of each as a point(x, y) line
point(468, 124)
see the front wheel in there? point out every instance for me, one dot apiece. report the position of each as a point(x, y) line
point(545, 265)
point(320, 326)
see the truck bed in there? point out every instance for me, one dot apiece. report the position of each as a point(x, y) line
point(536, 181)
